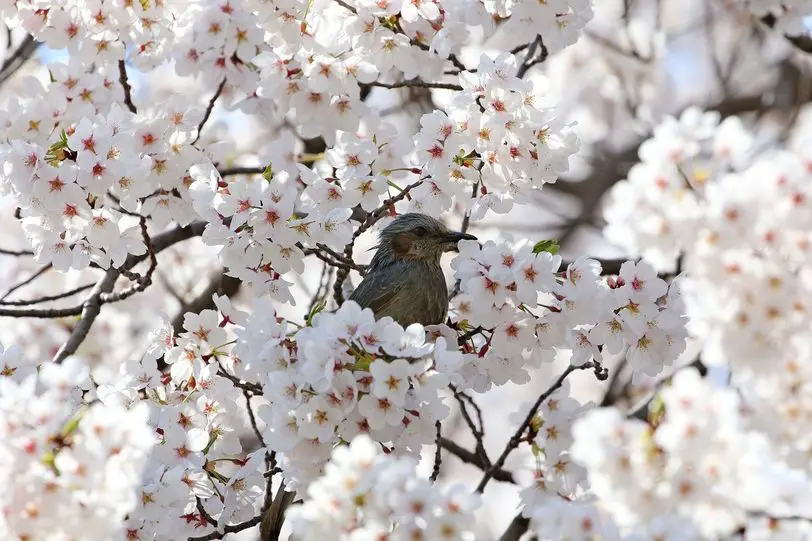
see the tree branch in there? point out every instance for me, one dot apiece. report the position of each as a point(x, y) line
point(20, 56)
point(516, 529)
point(414, 83)
point(229, 529)
point(471, 458)
point(125, 84)
point(209, 109)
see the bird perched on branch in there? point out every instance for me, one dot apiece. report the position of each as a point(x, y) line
point(404, 280)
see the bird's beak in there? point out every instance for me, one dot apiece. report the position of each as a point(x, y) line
point(453, 238)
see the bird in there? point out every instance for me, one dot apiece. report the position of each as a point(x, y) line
point(404, 280)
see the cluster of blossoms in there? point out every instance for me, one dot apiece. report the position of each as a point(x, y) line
point(559, 22)
point(271, 220)
point(365, 494)
point(531, 309)
point(497, 138)
point(156, 453)
point(697, 472)
point(78, 162)
point(347, 374)
point(197, 469)
point(741, 224)
point(740, 221)
point(73, 470)
point(320, 63)
point(556, 475)
point(100, 31)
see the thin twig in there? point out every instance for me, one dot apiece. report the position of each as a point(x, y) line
point(346, 6)
point(241, 171)
point(39, 272)
point(16, 253)
point(48, 298)
point(209, 108)
point(435, 472)
point(414, 83)
point(516, 438)
point(254, 388)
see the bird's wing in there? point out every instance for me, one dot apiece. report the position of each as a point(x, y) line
point(377, 291)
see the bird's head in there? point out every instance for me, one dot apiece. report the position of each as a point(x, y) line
point(417, 237)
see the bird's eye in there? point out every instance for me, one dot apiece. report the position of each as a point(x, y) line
point(420, 231)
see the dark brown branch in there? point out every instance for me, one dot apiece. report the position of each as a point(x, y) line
point(125, 84)
point(48, 298)
point(209, 109)
point(516, 529)
point(438, 455)
point(228, 529)
point(16, 253)
point(203, 513)
point(20, 56)
point(414, 83)
point(274, 516)
point(39, 272)
point(230, 171)
point(469, 457)
point(90, 311)
point(529, 61)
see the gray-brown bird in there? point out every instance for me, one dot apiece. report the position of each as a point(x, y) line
point(404, 280)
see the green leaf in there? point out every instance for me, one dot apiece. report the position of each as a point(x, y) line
point(267, 174)
point(58, 151)
point(549, 246)
point(318, 307)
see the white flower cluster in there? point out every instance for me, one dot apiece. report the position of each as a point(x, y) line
point(742, 225)
point(77, 161)
point(72, 470)
point(559, 22)
point(498, 135)
point(272, 219)
point(556, 476)
point(100, 30)
point(530, 310)
point(198, 471)
point(695, 474)
point(366, 494)
point(347, 374)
